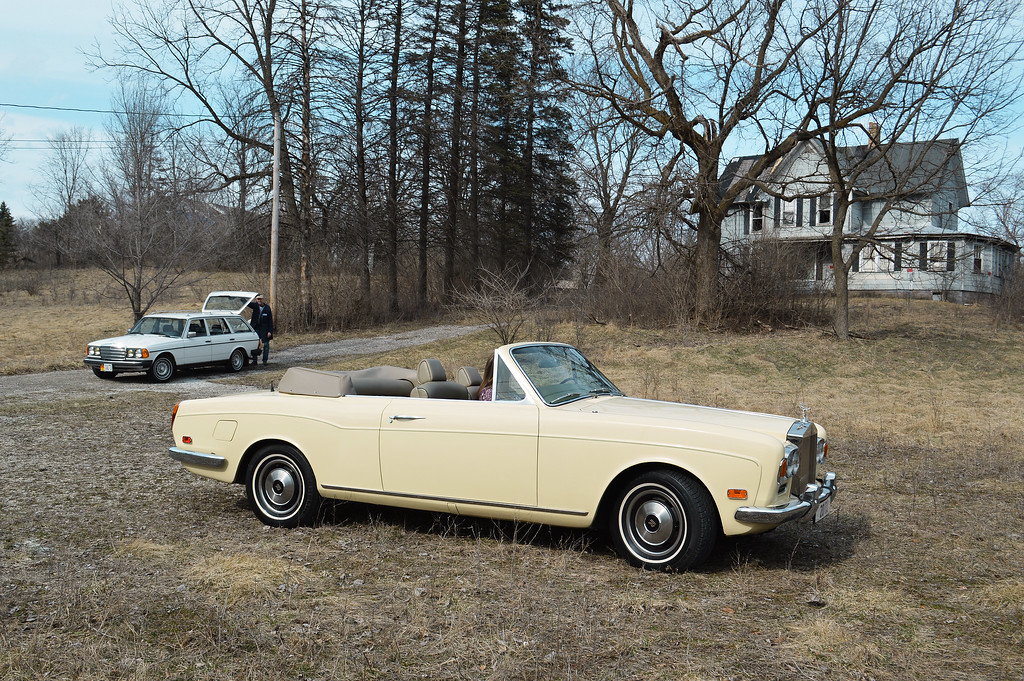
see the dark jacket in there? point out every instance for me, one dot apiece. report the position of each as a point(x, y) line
point(262, 318)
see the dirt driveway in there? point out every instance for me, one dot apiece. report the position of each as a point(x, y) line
point(199, 384)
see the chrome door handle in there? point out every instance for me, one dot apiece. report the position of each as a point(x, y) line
point(400, 417)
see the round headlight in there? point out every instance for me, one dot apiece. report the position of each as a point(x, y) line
point(790, 463)
point(822, 451)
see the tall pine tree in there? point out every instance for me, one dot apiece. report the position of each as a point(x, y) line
point(6, 235)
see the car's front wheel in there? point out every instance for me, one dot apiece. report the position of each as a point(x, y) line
point(663, 519)
point(237, 361)
point(281, 488)
point(162, 369)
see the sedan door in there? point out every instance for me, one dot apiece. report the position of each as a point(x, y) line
point(460, 451)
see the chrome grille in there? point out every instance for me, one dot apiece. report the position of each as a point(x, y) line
point(804, 435)
point(109, 352)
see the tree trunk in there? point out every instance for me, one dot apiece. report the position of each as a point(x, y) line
point(426, 155)
point(451, 231)
point(391, 233)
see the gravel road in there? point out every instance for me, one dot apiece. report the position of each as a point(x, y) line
point(201, 383)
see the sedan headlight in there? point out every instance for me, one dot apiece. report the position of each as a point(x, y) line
point(136, 353)
point(93, 351)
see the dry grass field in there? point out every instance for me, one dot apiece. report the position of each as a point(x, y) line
point(116, 563)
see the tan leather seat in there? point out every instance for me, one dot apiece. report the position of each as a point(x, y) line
point(432, 381)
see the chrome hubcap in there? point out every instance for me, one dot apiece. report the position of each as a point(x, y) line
point(652, 523)
point(278, 487)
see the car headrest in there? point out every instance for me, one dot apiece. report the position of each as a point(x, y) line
point(430, 370)
point(468, 376)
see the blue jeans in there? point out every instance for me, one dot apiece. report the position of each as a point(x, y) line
point(266, 344)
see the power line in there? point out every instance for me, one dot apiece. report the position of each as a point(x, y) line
point(54, 108)
point(109, 112)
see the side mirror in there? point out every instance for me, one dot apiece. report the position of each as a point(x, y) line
point(192, 334)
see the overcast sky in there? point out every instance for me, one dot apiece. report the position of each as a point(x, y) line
point(42, 65)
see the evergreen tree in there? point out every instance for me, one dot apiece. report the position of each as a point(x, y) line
point(6, 235)
point(525, 133)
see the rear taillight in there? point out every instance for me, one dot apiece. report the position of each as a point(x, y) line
point(174, 412)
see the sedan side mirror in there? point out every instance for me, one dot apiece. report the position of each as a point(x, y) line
point(192, 334)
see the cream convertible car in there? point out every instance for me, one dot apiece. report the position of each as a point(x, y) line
point(559, 444)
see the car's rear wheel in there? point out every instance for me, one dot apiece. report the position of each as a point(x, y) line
point(103, 374)
point(162, 369)
point(281, 488)
point(237, 361)
point(663, 520)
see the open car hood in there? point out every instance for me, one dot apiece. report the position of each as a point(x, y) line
point(228, 301)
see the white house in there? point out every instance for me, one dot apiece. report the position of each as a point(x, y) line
point(917, 249)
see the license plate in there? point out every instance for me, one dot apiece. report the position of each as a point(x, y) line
point(107, 367)
point(823, 509)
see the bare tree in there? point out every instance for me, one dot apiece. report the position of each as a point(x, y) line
point(702, 73)
point(934, 79)
point(5, 143)
point(66, 180)
point(201, 47)
point(146, 230)
point(781, 73)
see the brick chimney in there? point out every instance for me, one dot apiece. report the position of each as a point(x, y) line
point(874, 133)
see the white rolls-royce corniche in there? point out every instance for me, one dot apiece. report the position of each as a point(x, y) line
point(558, 444)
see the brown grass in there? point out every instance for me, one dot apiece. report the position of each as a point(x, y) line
point(115, 563)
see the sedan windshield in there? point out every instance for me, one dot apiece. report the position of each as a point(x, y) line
point(561, 373)
point(159, 326)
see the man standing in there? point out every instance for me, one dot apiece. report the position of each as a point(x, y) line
point(263, 323)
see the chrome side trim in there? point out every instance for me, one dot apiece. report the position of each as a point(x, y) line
point(450, 500)
point(195, 458)
point(814, 495)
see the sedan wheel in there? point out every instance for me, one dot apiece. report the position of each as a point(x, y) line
point(237, 360)
point(664, 519)
point(281, 487)
point(162, 369)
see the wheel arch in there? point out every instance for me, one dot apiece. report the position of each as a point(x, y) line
point(250, 452)
point(620, 481)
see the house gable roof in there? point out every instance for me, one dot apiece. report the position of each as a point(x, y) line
point(919, 167)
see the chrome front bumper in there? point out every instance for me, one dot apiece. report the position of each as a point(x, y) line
point(814, 496)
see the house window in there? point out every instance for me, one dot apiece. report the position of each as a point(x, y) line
point(868, 259)
point(824, 212)
point(758, 221)
point(789, 213)
point(978, 250)
point(941, 256)
point(897, 256)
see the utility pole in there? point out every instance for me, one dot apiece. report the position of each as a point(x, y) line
point(275, 211)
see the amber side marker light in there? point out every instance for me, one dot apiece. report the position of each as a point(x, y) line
point(174, 412)
point(737, 494)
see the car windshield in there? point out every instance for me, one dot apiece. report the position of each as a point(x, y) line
point(159, 326)
point(561, 373)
